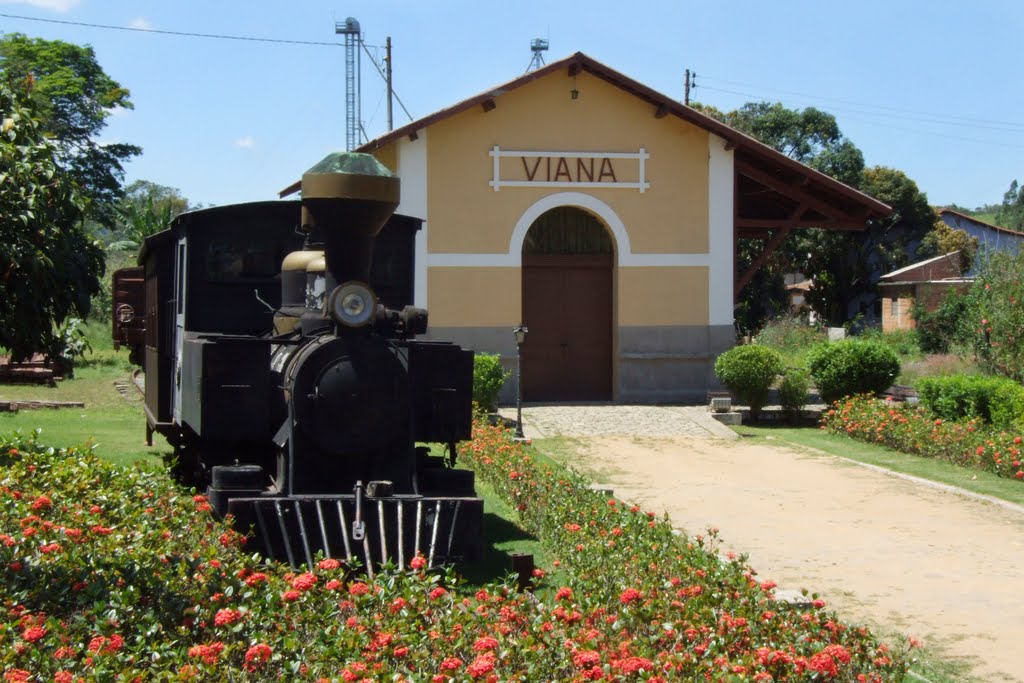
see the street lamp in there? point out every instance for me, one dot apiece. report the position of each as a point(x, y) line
point(520, 332)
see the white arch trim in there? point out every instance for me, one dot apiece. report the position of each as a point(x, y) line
point(514, 257)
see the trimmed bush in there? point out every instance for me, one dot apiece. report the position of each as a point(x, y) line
point(488, 378)
point(852, 366)
point(793, 390)
point(749, 372)
point(995, 400)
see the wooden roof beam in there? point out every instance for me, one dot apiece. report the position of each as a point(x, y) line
point(794, 191)
point(761, 259)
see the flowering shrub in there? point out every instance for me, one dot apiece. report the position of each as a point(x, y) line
point(997, 316)
point(640, 600)
point(911, 429)
point(112, 574)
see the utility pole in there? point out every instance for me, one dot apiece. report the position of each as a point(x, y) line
point(387, 47)
point(686, 91)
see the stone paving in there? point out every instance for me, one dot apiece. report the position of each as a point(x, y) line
point(619, 420)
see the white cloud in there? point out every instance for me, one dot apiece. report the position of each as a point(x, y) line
point(247, 142)
point(141, 23)
point(56, 5)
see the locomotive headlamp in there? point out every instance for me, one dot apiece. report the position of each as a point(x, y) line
point(352, 304)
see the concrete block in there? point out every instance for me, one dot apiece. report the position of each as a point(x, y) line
point(731, 418)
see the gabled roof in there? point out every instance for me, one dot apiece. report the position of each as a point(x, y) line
point(983, 224)
point(773, 191)
point(945, 266)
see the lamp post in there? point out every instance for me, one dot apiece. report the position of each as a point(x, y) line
point(520, 332)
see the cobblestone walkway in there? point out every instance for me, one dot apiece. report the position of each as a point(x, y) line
point(619, 420)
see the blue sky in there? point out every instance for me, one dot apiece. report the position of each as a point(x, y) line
point(931, 88)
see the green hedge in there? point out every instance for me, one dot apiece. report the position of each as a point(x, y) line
point(852, 366)
point(749, 372)
point(995, 400)
point(488, 378)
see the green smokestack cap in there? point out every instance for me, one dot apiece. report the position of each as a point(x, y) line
point(355, 163)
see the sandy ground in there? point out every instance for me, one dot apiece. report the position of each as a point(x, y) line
point(881, 550)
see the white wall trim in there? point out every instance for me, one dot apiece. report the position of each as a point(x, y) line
point(412, 169)
point(720, 231)
point(578, 199)
point(510, 261)
point(626, 258)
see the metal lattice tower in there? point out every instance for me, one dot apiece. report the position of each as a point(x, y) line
point(353, 86)
point(537, 46)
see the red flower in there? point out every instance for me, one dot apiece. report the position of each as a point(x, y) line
point(255, 578)
point(485, 643)
point(63, 677)
point(290, 596)
point(584, 659)
point(42, 503)
point(418, 562)
point(437, 593)
point(207, 653)
point(17, 676)
point(482, 665)
point(34, 633)
point(630, 595)
point(303, 582)
point(358, 588)
point(630, 665)
point(226, 617)
point(563, 594)
point(451, 664)
point(332, 585)
point(328, 564)
point(257, 655)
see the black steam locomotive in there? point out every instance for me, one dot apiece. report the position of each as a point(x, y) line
point(281, 363)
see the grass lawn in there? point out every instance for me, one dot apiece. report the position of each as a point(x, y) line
point(112, 421)
point(975, 481)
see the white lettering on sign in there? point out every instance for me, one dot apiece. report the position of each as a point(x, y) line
point(569, 169)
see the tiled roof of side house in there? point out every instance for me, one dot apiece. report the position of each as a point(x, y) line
point(894, 275)
point(769, 161)
point(990, 226)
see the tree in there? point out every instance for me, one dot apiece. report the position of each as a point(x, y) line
point(49, 265)
point(810, 136)
point(74, 97)
point(945, 240)
point(845, 266)
point(1011, 212)
point(147, 208)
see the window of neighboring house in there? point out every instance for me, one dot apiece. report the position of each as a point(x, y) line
point(896, 309)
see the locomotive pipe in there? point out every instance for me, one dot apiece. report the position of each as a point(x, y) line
point(347, 198)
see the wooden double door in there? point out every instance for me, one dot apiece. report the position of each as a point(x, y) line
point(567, 309)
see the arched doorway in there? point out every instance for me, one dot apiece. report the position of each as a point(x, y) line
point(567, 262)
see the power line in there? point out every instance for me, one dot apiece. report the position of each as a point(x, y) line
point(866, 111)
point(172, 33)
point(967, 119)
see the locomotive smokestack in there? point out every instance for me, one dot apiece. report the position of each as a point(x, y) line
point(347, 198)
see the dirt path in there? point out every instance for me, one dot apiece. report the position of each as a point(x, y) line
point(879, 549)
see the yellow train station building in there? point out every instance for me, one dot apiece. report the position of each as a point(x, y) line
point(604, 217)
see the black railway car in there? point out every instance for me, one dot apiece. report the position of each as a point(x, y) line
point(281, 364)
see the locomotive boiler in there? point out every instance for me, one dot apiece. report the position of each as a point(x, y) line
point(281, 363)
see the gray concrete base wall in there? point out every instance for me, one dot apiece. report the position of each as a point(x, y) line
point(656, 364)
